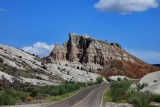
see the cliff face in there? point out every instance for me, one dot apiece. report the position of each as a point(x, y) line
point(86, 53)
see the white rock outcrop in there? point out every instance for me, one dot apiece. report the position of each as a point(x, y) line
point(40, 72)
point(153, 81)
point(111, 104)
point(115, 78)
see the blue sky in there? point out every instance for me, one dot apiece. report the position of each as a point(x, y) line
point(135, 25)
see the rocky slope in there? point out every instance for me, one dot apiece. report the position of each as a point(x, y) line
point(153, 81)
point(18, 68)
point(86, 53)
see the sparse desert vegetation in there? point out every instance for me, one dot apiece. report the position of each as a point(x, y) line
point(122, 92)
point(10, 96)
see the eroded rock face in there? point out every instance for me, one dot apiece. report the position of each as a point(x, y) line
point(84, 52)
point(108, 59)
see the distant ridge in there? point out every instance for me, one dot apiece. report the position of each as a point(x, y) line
point(157, 65)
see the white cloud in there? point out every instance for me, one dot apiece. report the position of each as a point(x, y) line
point(126, 6)
point(39, 48)
point(151, 57)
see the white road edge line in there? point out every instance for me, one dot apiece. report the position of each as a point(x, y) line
point(88, 96)
point(102, 98)
point(73, 95)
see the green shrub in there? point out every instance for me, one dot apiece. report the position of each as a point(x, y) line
point(1, 60)
point(125, 78)
point(141, 86)
point(99, 80)
point(121, 91)
point(110, 80)
point(139, 99)
point(33, 93)
point(6, 99)
point(118, 90)
point(119, 79)
point(91, 83)
point(18, 95)
point(156, 98)
point(22, 96)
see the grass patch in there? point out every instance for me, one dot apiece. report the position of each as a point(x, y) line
point(11, 96)
point(106, 96)
point(62, 97)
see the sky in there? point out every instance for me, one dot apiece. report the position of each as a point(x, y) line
point(36, 25)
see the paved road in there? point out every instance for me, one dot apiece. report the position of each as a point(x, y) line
point(89, 97)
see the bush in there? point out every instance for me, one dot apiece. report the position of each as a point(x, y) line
point(18, 95)
point(22, 96)
point(1, 60)
point(90, 83)
point(6, 99)
point(33, 93)
point(140, 99)
point(141, 86)
point(99, 80)
point(156, 98)
point(125, 78)
point(110, 80)
point(119, 90)
point(119, 79)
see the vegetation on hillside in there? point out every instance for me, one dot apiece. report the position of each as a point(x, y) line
point(123, 92)
point(14, 71)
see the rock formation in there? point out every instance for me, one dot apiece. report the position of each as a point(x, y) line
point(86, 53)
point(18, 68)
point(153, 82)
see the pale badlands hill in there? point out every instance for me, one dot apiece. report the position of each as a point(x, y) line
point(18, 68)
point(153, 81)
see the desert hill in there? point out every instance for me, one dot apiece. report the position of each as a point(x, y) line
point(86, 53)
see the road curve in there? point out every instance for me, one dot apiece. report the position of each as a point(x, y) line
point(89, 97)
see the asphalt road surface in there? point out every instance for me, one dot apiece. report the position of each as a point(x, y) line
point(89, 97)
